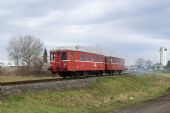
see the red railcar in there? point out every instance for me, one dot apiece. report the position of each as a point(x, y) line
point(114, 64)
point(75, 63)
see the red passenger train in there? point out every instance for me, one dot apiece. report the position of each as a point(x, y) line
point(79, 63)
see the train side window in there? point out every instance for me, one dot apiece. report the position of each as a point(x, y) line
point(82, 57)
point(64, 56)
point(72, 57)
point(88, 58)
point(109, 60)
point(52, 57)
point(100, 59)
point(113, 61)
point(97, 58)
point(105, 60)
point(93, 58)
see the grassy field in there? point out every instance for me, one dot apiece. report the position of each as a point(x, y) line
point(107, 94)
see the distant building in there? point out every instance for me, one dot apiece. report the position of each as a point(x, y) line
point(7, 64)
point(149, 64)
point(143, 64)
point(140, 63)
point(168, 65)
point(158, 67)
point(163, 56)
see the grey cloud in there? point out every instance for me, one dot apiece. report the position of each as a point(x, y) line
point(111, 27)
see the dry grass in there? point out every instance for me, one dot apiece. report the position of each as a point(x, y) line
point(21, 78)
point(167, 75)
point(8, 74)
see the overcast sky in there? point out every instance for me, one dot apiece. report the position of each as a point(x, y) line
point(126, 28)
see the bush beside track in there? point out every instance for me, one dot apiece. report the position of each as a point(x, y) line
point(107, 94)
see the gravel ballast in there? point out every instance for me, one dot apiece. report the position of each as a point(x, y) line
point(9, 90)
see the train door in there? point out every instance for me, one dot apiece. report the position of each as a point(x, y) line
point(58, 56)
point(106, 63)
point(73, 64)
point(53, 65)
point(58, 59)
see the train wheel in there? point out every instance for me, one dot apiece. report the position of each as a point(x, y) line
point(75, 74)
point(100, 73)
point(63, 76)
point(120, 72)
point(110, 72)
point(97, 73)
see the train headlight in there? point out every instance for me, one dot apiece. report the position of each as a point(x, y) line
point(65, 64)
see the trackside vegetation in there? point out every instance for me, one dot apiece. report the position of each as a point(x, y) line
point(108, 94)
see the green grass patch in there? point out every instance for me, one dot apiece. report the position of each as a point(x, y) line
point(107, 94)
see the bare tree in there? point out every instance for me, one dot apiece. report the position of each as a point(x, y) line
point(25, 49)
point(30, 48)
point(14, 50)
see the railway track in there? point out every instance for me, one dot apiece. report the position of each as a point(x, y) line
point(38, 81)
point(51, 80)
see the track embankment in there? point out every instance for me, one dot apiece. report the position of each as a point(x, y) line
point(8, 89)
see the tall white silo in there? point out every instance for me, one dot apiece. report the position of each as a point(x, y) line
point(163, 56)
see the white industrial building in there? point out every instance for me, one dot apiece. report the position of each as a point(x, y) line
point(163, 56)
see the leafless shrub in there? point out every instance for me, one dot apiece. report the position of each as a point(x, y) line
point(7, 71)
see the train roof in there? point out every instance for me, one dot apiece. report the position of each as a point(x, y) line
point(113, 57)
point(84, 52)
point(77, 51)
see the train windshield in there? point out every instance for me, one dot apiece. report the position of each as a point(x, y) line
point(52, 57)
point(64, 56)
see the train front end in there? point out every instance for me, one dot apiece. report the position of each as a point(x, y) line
point(57, 61)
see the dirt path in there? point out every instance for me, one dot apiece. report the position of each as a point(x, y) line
point(161, 105)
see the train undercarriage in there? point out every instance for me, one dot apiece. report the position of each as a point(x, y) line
point(88, 73)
